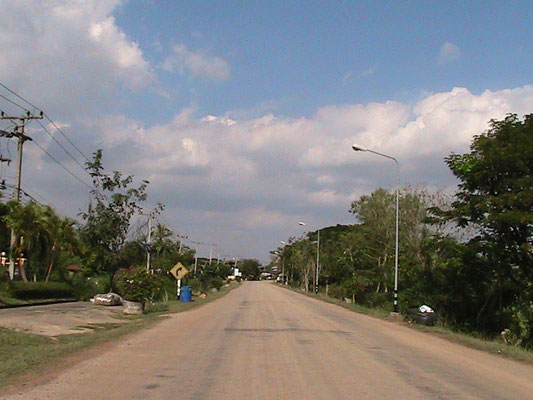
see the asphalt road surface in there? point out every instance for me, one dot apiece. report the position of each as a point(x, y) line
point(265, 342)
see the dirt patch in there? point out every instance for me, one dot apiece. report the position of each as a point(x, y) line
point(60, 319)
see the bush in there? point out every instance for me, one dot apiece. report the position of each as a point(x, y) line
point(217, 283)
point(86, 287)
point(337, 291)
point(137, 284)
point(40, 290)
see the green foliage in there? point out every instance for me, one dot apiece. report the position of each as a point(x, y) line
point(249, 269)
point(85, 287)
point(212, 276)
point(138, 285)
point(108, 217)
point(470, 259)
point(40, 290)
point(496, 197)
point(47, 237)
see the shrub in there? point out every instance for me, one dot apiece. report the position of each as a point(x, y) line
point(337, 291)
point(86, 287)
point(217, 282)
point(40, 290)
point(137, 284)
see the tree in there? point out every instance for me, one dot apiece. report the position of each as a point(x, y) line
point(376, 236)
point(41, 235)
point(109, 214)
point(249, 269)
point(496, 197)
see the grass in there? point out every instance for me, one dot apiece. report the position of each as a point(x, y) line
point(25, 356)
point(7, 301)
point(491, 346)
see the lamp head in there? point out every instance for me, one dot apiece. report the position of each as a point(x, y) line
point(356, 147)
point(301, 223)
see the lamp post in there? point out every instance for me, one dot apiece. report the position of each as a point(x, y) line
point(181, 237)
point(360, 148)
point(317, 255)
point(284, 281)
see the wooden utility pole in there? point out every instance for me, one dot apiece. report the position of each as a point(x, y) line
point(19, 134)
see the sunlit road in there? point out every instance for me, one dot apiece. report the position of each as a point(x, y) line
point(265, 342)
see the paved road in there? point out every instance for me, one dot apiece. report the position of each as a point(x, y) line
point(265, 342)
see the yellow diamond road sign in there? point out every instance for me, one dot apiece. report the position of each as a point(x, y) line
point(179, 271)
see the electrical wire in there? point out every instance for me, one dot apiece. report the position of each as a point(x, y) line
point(60, 145)
point(62, 166)
point(48, 118)
point(12, 102)
point(62, 134)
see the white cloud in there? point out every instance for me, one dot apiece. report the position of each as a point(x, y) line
point(284, 164)
point(196, 63)
point(260, 217)
point(350, 76)
point(68, 54)
point(449, 53)
point(250, 177)
point(232, 178)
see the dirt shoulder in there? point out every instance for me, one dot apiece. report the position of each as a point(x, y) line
point(43, 341)
point(491, 346)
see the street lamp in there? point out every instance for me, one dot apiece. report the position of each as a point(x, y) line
point(356, 147)
point(317, 255)
point(285, 282)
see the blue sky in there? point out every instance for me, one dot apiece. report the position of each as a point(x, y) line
point(297, 56)
point(242, 114)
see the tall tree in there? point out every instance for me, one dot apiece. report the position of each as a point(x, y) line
point(496, 197)
point(107, 220)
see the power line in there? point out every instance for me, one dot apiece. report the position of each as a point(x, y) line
point(60, 145)
point(47, 117)
point(26, 194)
point(37, 194)
point(12, 102)
point(66, 137)
point(62, 166)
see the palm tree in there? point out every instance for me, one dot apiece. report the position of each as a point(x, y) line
point(40, 234)
point(162, 243)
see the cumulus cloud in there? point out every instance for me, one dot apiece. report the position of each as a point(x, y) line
point(306, 165)
point(251, 177)
point(449, 53)
point(241, 181)
point(72, 48)
point(196, 63)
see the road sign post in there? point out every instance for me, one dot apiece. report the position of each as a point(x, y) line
point(178, 272)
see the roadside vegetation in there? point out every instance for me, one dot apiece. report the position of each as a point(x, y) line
point(61, 258)
point(469, 256)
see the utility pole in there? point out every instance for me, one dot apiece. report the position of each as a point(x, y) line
point(149, 242)
point(148, 239)
point(196, 260)
point(210, 252)
point(19, 134)
point(317, 260)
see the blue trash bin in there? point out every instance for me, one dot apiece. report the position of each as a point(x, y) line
point(186, 294)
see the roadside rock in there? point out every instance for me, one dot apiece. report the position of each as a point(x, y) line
point(107, 299)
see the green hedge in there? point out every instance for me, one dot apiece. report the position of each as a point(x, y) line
point(40, 290)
